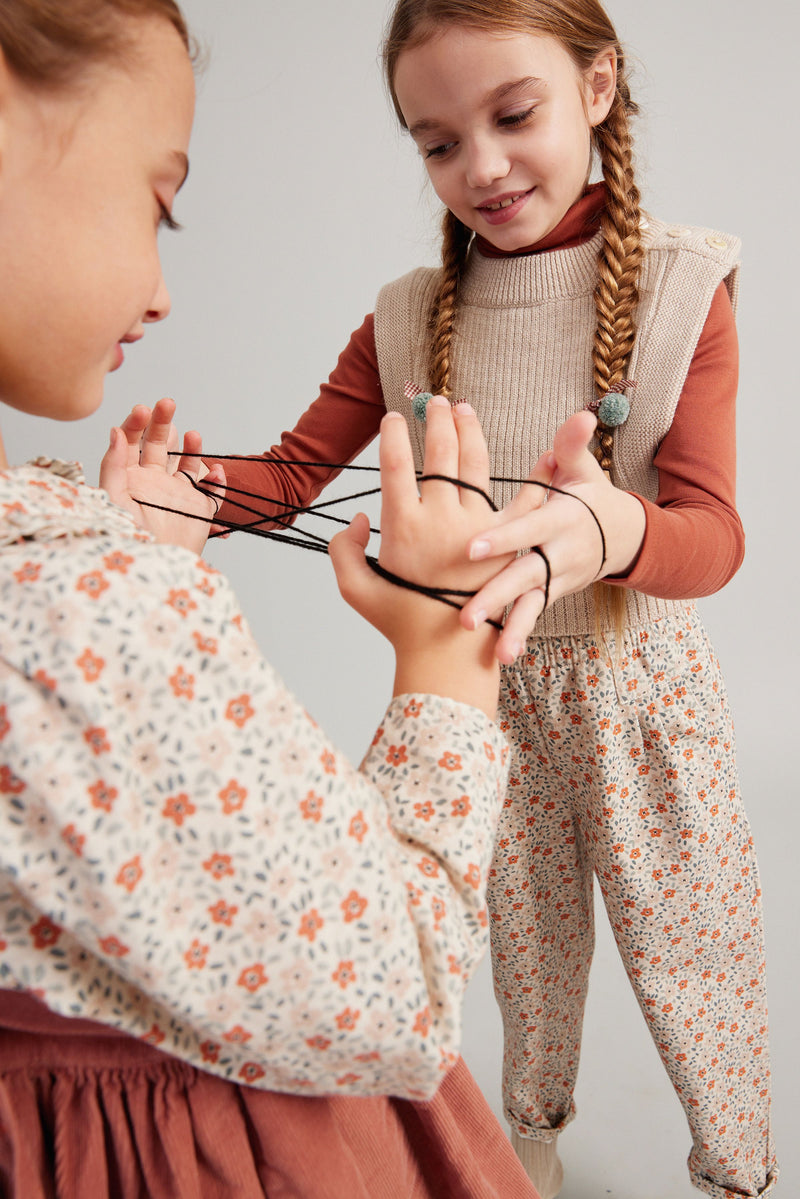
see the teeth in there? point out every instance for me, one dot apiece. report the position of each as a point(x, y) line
point(503, 204)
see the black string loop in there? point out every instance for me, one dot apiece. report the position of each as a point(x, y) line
point(305, 539)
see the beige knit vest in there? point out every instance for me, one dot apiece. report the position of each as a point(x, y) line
point(522, 356)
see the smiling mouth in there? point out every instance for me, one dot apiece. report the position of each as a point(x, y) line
point(509, 200)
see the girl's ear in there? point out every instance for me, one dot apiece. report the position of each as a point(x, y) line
point(601, 86)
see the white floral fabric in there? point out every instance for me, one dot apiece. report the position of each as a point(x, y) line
point(186, 857)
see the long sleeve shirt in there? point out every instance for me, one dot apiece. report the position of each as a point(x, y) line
point(184, 855)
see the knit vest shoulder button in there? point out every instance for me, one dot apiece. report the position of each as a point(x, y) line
point(677, 231)
point(716, 243)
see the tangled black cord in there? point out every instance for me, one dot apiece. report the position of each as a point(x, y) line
point(305, 539)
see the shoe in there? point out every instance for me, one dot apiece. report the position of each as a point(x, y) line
point(541, 1163)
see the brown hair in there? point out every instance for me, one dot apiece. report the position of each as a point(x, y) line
point(48, 42)
point(584, 30)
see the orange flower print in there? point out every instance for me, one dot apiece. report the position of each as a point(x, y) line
point(328, 761)
point(5, 725)
point(317, 1042)
point(178, 807)
point(232, 797)
point(237, 1035)
point(130, 874)
point(439, 910)
point(222, 912)
point(252, 977)
point(97, 741)
point(210, 1051)
point(73, 839)
point(310, 924)
point(358, 827)
point(346, 1020)
point(422, 1023)
point(90, 665)
point(154, 1037)
point(9, 783)
point(45, 680)
point(424, 811)
point(218, 865)
point(112, 947)
point(344, 974)
point(414, 895)
point(461, 806)
point(28, 573)
point(93, 583)
point(428, 867)
point(181, 601)
point(206, 586)
point(205, 645)
point(251, 1072)
point(353, 906)
point(348, 1080)
point(196, 955)
point(182, 683)
point(118, 561)
point(473, 876)
point(45, 933)
point(239, 711)
point(412, 709)
point(450, 761)
point(311, 807)
point(102, 795)
point(396, 755)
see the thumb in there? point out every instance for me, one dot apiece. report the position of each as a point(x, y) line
point(571, 448)
point(346, 552)
point(114, 467)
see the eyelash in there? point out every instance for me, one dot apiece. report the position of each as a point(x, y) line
point(517, 118)
point(167, 219)
point(514, 121)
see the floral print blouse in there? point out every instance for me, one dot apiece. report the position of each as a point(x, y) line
point(186, 857)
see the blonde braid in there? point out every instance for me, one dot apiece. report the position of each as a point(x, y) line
point(455, 243)
point(617, 293)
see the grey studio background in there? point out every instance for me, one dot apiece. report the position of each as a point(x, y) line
point(303, 199)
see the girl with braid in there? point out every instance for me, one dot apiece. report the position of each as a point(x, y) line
point(598, 346)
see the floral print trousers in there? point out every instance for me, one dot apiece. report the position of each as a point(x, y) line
point(624, 767)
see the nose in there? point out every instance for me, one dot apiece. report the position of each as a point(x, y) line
point(487, 161)
point(160, 304)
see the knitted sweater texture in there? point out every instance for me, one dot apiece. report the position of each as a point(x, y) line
point(522, 356)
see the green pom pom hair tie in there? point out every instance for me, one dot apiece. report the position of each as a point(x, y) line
point(614, 407)
point(419, 404)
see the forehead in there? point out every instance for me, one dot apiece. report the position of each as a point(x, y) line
point(457, 65)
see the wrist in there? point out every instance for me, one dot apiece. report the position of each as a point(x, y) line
point(450, 661)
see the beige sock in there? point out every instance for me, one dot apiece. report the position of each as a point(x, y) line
point(541, 1163)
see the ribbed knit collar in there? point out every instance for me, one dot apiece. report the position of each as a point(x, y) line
point(568, 268)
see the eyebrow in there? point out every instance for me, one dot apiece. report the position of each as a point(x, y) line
point(428, 124)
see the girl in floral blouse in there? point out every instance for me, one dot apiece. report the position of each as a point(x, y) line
point(208, 916)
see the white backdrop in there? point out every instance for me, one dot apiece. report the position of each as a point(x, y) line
point(303, 199)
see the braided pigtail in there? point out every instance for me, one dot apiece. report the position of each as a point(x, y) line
point(617, 292)
point(455, 243)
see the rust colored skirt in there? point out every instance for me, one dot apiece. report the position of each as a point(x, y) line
point(89, 1113)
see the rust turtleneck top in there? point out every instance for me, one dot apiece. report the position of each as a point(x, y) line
point(693, 542)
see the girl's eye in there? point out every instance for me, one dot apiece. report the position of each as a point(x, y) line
point(166, 218)
point(438, 151)
point(517, 118)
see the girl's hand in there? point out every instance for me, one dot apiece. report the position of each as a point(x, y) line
point(424, 532)
point(563, 528)
point(138, 467)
